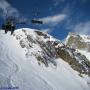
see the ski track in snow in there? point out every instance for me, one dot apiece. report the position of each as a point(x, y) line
point(8, 58)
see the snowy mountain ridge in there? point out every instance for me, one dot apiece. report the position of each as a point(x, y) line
point(33, 60)
point(39, 44)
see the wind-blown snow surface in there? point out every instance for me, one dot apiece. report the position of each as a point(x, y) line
point(18, 71)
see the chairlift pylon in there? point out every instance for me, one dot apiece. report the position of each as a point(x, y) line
point(35, 14)
point(11, 21)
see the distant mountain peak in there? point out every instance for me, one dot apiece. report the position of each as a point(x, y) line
point(78, 41)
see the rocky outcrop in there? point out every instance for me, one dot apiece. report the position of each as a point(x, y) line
point(47, 49)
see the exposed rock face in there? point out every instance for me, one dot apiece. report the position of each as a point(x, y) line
point(46, 49)
point(76, 60)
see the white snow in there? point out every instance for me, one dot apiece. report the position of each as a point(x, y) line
point(26, 74)
point(66, 40)
point(86, 53)
point(86, 38)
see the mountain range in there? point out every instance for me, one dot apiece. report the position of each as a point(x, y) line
point(34, 60)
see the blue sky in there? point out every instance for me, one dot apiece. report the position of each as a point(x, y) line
point(59, 16)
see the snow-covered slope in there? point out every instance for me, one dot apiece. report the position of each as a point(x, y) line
point(29, 61)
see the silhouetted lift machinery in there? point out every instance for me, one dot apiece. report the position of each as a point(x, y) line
point(9, 25)
point(11, 21)
point(35, 13)
point(36, 21)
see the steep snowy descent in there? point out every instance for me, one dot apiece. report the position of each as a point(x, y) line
point(29, 61)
